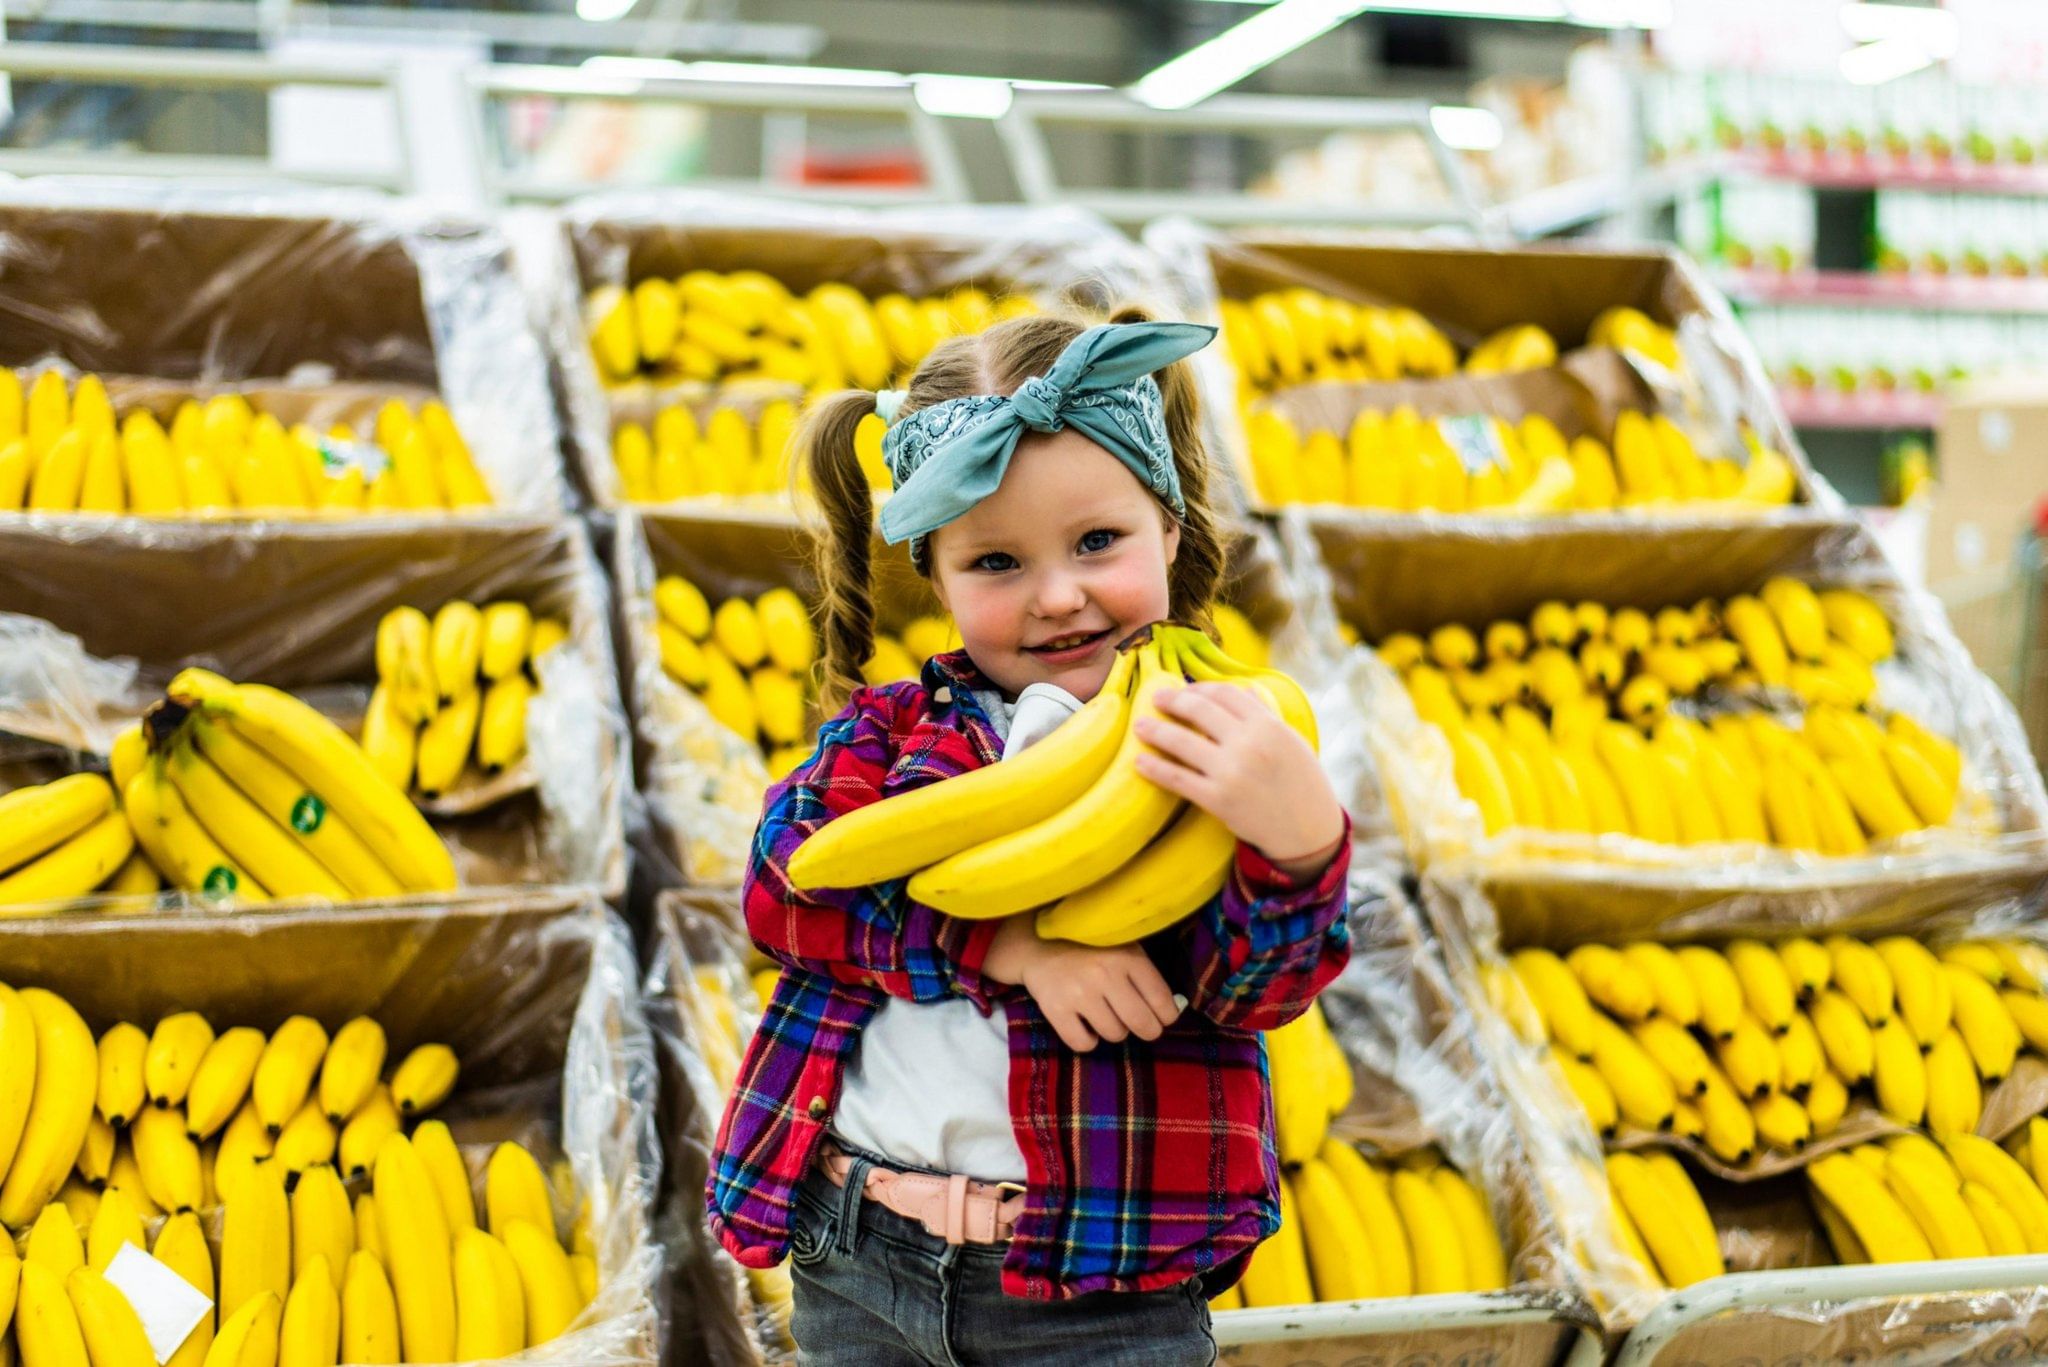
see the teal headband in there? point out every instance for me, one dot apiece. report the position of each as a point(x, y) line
point(948, 457)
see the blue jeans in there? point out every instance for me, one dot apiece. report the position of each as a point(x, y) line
point(876, 1290)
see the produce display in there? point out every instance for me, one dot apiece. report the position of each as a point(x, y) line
point(1354, 1225)
point(1755, 719)
point(727, 454)
point(240, 1150)
point(747, 325)
point(454, 689)
point(1071, 826)
point(64, 449)
point(1400, 462)
point(1751, 1046)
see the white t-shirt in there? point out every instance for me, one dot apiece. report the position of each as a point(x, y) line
point(930, 1083)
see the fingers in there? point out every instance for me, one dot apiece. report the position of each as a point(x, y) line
point(1072, 1030)
point(1176, 778)
point(1178, 741)
point(1214, 709)
point(1135, 1012)
point(1151, 985)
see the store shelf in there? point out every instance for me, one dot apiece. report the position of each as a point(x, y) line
point(1940, 294)
point(1836, 172)
point(1824, 408)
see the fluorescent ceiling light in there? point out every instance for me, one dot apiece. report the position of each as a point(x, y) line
point(743, 73)
point(1932, 29)
point(602, 11)
point(1539, 10)
point(1240, 50)
point(1466, 128)
point(962, 97)
point(1885, 60)
point(1587, 13)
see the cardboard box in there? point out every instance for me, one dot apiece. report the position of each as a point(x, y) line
point(113, 608)
point(1992, 475)
point(227, 289)
point(1056, 255)
point(536, 993)
point(1470, 293)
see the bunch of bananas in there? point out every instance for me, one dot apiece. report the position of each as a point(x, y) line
point(65, 839)
point(1401, 462)
point(1070, 826)
point(750, 660)
point(64, 451)
point(748, 325)
point(454, 685)
point(1299, 336)
point(1615, 758)
point(1660, 1219)
point(1354, 1227)
point(1628, 329)
point(1753, 1044)
point(726, 455)
point(177, 1123)
point(243, 791)
point(1956, 1195)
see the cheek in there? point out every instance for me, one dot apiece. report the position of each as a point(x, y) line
point(983, 610)
point(1134, 590)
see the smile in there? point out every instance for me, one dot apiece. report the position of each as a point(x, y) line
point(1073, 640)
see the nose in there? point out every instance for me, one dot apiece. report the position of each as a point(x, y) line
point(1057, 594)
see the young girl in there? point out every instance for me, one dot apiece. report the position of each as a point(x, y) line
point(976, 1145)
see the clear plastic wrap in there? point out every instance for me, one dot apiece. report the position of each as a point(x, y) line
point(537, 994)
point(313, 299)
point(96, 616)
point(1422, 1084)
point(1549, 885)
point(709, 1314)
point(1469, 293)
point(618, 239)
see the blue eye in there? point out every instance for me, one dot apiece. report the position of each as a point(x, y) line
point(995, 562)
point(1101, 539)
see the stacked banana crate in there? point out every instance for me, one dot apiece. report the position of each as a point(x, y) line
point(1731, 849)
point(316, 1017)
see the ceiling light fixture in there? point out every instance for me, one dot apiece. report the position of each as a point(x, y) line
point(1239, 50)
point(1884, 60)
point(1467, 127)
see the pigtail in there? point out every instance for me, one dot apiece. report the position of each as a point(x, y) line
point(842, 554)
point(1197, 570)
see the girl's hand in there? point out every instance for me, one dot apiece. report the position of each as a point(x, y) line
point(1220, 747)
point(1089, 995)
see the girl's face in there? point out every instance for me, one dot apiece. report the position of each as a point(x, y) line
point(1066, 558)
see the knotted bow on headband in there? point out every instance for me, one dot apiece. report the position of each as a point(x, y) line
point(946, 458)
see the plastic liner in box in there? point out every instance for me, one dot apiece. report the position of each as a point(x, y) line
point(1420, 1083)
point(708, 1312)
point(1470, 292)
point(226, 289)
point(1783, 1299)
point(1549, 885)
point(95, 617)
point(618, 239)
point(536, 993)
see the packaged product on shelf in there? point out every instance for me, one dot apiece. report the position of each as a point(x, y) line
point(242, 355)
point(390, 712)
point(689, 329)
point(1371, 379)
point(720, 631)
point(416, 1132)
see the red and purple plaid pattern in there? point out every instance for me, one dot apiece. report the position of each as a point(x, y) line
point(1148, 1163)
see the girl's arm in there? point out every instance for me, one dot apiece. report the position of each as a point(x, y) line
point(1259, 952)
point(875, 936)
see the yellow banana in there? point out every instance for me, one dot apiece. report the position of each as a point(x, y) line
point(243, 1144)
point(389, 741)
point(308, 1138)
point(1986, 1026)
point(1937, 1207)
point(1955, 1101)
point(1559, 997)
point(1807, 965)
point(278, 794)
point(490, 1300)
point(424, 1079)
point(405, 663)
point(1864, 1202)
point(221, 1082)
point(1844, 1035)
point(323, 1224)
point(248, 1337)
point(415, 1237)
point(1765, 985)
point(1750, 1058)
point(120, 1095)
point(309, 1334)
point(1926, 1000)
point(59, 1109)
point(364, 1134)
point(436, 1150)
point(255, 1242)
point(1340, 1253)
point(501, 724)
point(285, 1071)
point(114, 1222)
point(252, 839)
point(457, 649)
point(1432, 1235)
point(1486, 1264)
point(514, 1189)
point(546, 1280)
point(369, 1313)
point(181, 1246)
point(1715, 985)
point(1899, 1072)
point(1643, 1092)
point(168, 1159)
point(445, 742)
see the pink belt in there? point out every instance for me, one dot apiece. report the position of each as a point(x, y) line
point(956, 1209)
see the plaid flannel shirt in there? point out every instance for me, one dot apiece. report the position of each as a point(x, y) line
point(1147, 1163)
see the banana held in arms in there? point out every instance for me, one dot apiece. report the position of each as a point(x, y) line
point(1070, 825)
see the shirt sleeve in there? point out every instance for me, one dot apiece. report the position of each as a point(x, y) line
point(1258, 952)
point(876, 935)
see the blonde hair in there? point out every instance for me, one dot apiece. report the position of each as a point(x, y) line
point(994, 361)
